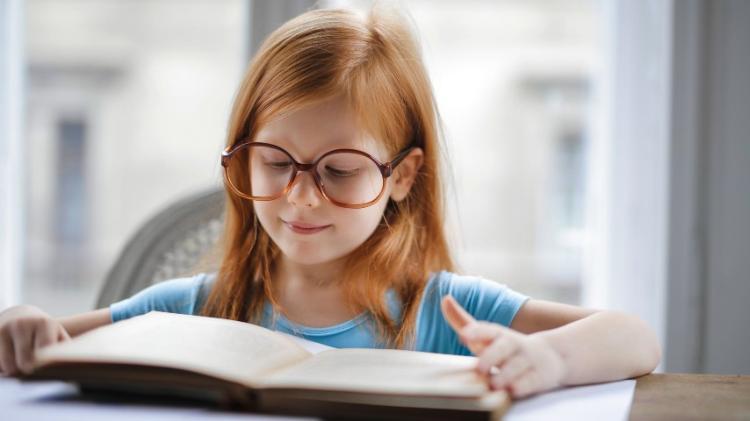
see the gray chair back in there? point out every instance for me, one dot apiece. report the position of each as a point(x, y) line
point(178, 241)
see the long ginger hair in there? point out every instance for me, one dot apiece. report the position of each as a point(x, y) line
point(375, 61)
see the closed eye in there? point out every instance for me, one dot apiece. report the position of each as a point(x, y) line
point(279, 164)
point(342, 172)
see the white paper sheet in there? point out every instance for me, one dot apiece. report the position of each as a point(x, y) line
point(605, 401)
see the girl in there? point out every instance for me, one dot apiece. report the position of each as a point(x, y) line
point(334, 226)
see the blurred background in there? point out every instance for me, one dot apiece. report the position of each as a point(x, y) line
point(613, 139)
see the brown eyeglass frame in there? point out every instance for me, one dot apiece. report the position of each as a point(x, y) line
point(386, 169)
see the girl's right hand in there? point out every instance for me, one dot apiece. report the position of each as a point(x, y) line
point(23, 329)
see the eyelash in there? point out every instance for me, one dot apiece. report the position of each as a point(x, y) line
point(279, 165)
point(336, 172)
point(343, 173)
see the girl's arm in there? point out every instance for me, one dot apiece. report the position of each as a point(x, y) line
point(596, 345)
point(25, 328)
point(80, 323)
point(551, 345)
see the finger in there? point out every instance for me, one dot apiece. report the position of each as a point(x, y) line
point(456, 316)
point(478, 336)
point(481, 332)
point(497, 353)
point(526, 384)
point(46, 334)
point(7, 355)
point(476, 347)
point(63, 334)
point(510, 371)
point(23, 348)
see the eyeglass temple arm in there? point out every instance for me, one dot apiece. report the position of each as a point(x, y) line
point(390, 166)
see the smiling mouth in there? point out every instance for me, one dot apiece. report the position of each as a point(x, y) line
point(306, 229)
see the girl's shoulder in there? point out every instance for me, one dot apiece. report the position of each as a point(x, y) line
point(178, 295)
point(446, 282)
point(485, 299)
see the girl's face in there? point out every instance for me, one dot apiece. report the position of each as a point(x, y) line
point(306, 134)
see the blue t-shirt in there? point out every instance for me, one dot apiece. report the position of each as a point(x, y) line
point(482, 298)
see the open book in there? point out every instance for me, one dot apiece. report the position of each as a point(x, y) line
point(241, 365)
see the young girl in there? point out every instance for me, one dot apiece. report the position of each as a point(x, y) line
point(334, 226)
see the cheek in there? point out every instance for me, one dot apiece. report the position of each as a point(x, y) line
point(357, 225)
point(266, 214)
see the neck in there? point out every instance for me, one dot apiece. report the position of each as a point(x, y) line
point(321, 276)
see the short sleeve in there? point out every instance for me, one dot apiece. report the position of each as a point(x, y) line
point(179, 295)
point(485, 299)
point(482, 298)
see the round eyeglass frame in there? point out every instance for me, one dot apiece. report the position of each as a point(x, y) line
point(386, 169)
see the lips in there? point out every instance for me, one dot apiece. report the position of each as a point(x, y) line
point(300, 224)
point(304, 227)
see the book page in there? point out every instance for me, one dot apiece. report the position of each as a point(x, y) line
point(310, 346)
point(227, 349)
point(389, 371)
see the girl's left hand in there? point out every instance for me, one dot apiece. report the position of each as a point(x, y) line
point(525, 364)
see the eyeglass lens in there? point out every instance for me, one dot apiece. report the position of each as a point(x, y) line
point(346, 177)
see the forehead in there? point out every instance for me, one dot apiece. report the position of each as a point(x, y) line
point(309, 131)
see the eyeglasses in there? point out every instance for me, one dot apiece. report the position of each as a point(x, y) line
point(349, 178)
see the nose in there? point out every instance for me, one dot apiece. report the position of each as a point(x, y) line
point(304, 191)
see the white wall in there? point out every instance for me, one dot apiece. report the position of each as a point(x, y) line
point(626, 259)
point(11, 150)
point(709, 261)
point(727, 348)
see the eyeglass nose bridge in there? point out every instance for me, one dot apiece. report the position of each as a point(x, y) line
point(298, 168)
point(303, 167)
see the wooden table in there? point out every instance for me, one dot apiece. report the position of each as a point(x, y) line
point(673, 396)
